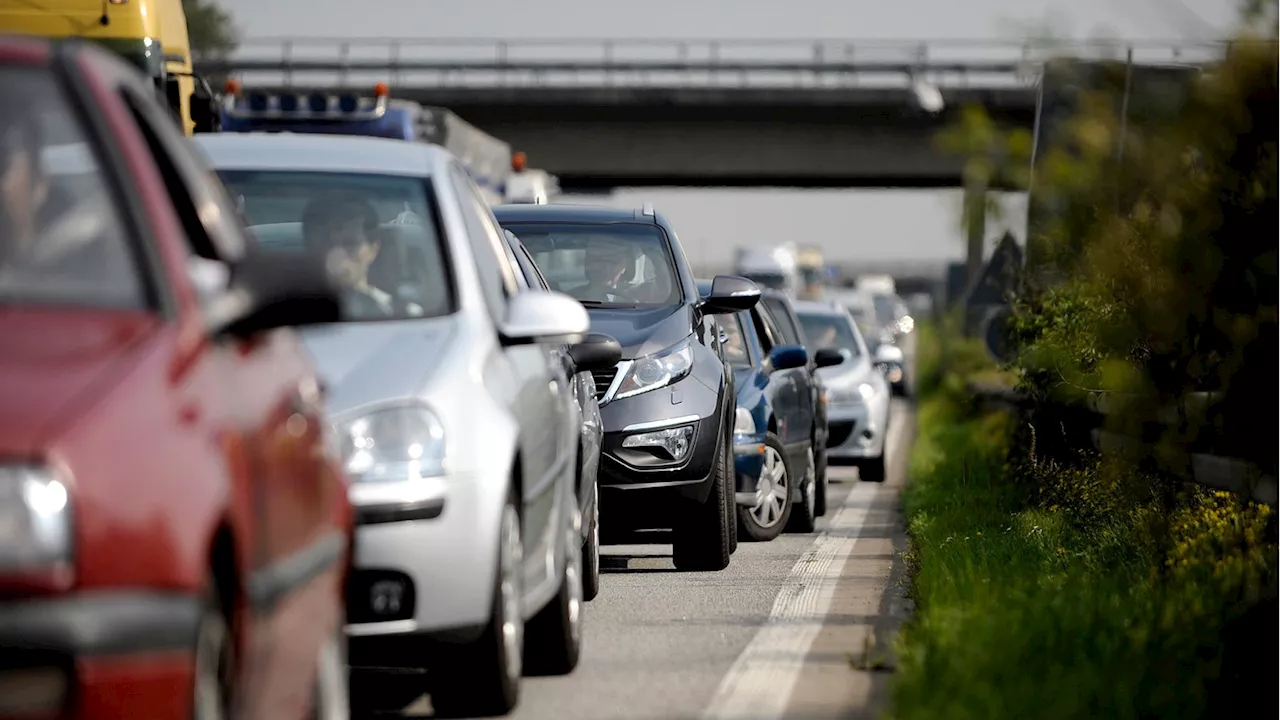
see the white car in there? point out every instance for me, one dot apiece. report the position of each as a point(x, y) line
point(858, 395)
point(448, 392)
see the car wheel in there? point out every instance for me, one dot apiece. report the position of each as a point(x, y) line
point(871, 469)
point(553, 638)
point(820, 480)
point(483, 678)
point(214, 661)
point(766, 520)
point(804, 517)
point(332, 699)
point(591, 551)
point(701, 538)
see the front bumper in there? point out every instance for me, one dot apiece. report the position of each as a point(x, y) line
point(854, 432)
point(83, 655)
point(424, 565)
point(748, 462)
point(640, 487)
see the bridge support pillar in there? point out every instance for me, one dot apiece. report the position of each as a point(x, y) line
point(975, 220)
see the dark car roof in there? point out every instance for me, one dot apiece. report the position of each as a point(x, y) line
point(558, 213)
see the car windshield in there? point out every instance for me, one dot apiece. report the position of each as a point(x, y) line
point(62, 239)
point(825, 331)
point(614, 265)
point(378, 235)
point(887, 309)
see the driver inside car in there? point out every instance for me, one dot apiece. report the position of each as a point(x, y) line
point(605, 265)
point(343, 227)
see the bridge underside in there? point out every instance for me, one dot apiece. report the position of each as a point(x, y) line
point(596, 139)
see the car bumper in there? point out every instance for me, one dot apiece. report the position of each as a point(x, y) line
point(855, 432)
point(748, 462)
point(83, 655)
point(638, 486)
point(424, 564)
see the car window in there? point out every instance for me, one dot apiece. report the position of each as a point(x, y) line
point(490, 260)
point(62, 238)
point(378, 235)
point(735, 343)
point(528, 269)
point(824, 330)
point(781, 316)
point(603, 265)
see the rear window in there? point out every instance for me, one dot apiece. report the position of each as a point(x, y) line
point(62, 239)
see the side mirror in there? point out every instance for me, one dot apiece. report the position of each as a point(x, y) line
point(269, 290)
point(596, 352)
point(538, 316)
point(826, 357)
point(730, 294)
point(785, 357)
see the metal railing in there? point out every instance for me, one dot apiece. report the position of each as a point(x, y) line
point(679, 62)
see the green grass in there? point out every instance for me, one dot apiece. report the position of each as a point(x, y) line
point(1053, 597)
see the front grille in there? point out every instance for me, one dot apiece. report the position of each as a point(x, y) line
point(603, 378)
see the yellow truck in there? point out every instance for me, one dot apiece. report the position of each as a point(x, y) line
point(150, 34)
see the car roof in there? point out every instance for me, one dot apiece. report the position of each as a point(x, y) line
point(567, 213)
point(321, 153)
point(818, 307)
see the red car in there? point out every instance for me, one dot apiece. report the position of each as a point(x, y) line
point(174, 527)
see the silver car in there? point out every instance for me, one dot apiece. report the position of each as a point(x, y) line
point(449, 405)
point(858, 395)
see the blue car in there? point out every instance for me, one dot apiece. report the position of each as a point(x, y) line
point(775, 424)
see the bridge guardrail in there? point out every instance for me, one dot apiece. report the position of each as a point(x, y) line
point(684, 62)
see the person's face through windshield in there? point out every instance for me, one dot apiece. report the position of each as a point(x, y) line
point(22, 185)
point(343, 230)
point(605, 265)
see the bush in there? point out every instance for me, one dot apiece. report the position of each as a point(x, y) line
point(1048, 590)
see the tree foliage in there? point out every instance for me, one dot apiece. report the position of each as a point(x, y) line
point(211, 29)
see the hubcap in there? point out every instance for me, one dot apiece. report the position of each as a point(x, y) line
point(512, 559)
point(212, 669)
point(573, 576)
point(771, 490)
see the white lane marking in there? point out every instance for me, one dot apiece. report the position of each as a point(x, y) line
point(759, 684)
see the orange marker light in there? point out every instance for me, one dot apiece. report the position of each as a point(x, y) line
point(381, 90)
point(518, 161)
point(232, 87)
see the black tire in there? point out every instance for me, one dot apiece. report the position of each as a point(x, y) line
point(776, 507)
point(871, 469)
point(591, 551)
point(212, 696)
point(701, 538)
point(482, 679)
point(730, 500)
point(820, 477)
point(804, 515)
point(332, 696)
point(553, 637)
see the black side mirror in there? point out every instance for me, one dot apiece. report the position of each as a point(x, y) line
point(596, 352)
point(269, 290)
point(730, 294)
point(826, 357)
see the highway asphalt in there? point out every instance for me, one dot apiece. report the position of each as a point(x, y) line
point(794, 628)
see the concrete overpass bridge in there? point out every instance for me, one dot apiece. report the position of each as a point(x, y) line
point(609, 113)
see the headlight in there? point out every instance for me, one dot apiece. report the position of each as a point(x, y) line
point(35, 518)
point(657, 370)
point(864, 392)
point(401, 443)
point(743, 423)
